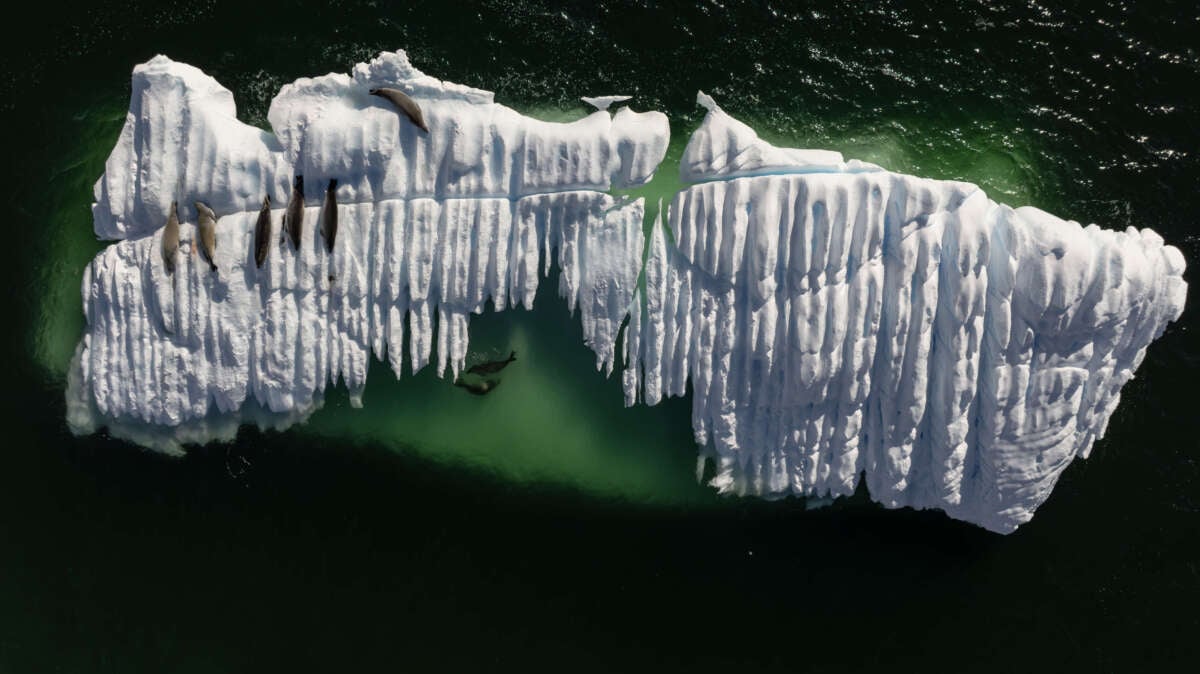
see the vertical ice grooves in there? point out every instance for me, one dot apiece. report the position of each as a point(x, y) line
point(957, 352)
point(279, 334)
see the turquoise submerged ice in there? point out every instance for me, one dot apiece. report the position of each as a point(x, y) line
point(831, 319)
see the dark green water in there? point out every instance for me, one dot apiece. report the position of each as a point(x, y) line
point(545, 526)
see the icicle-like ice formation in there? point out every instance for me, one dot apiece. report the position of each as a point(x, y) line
point(430, 226)
point(836, 319)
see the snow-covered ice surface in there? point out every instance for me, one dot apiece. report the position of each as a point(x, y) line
point(835, 319)
point(430, 225)
point(723, 148)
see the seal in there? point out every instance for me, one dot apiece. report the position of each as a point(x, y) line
point(170, 239)
point(262, 232)
point(492, 367)
point(406, 105)
point(208, 233)
point(293, 217)
point(482, 388)
point(329, 215)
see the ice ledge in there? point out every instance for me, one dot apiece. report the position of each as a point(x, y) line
point(724, 148)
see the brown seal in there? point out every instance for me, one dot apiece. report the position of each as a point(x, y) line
point(262, 233)
point(492, 367)
point(329, 215)
point(482, 388)
point(406, 105)
point(293, 217)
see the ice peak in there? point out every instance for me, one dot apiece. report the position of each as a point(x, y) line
point(707, 102)
point(394, 69)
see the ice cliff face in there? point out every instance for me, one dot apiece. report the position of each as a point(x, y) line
point(835, 319)
point(430, 226)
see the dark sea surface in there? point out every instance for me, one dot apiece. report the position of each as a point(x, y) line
point(546, 527)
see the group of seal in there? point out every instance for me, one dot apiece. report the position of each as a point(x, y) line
point(293, 216)
point(293, 228)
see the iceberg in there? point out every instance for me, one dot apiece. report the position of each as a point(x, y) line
point(431, 227)
point(833, 322)
point(836, 320)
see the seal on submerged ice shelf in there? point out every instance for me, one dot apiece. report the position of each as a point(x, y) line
point(482, 388)
point(262, 232)
point(492, 367)
point(407, 105)
point(329, 215)
point(293, 217)
point(207, 230)
point(170, 238)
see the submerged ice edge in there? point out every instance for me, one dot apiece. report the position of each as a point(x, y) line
point(834, 320)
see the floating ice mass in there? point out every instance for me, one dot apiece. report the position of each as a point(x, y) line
point(833, 319)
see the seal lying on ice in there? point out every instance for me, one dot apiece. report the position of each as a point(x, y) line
point(208, 233)
point(170, 238)
point(262, 232)
point(293, 217)
point(329, 215)
point(407, 105)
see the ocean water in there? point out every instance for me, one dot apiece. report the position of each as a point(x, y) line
point(545, 525)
